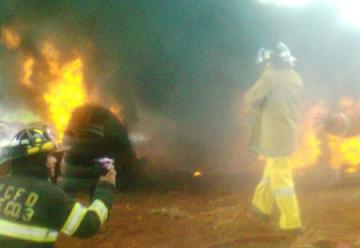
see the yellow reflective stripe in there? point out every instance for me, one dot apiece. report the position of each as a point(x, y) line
point(48, 146)
point(33, 150)
point(78, 213)
point(73, 221)
point(284, 191)
point(26, 232)
point(100, 209)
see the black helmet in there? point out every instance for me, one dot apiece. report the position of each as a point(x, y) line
point(30, 141)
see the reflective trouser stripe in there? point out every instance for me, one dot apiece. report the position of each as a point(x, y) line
point(73, 221)
point(284, 191)
point(78, 213)
point(26, 232)
point(100, 209)
point(266, 181)
point(277, 186)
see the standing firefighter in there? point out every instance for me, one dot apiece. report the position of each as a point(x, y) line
point(32, 210)
point(275, 100)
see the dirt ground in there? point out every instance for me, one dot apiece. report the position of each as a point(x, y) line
point(210, 212)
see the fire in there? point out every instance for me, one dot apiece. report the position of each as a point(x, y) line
point(342, 152)
point(51, 55)
point(55, 84)
point(345, 151)
point(309, 151)
point(10, 38)
point(309, 144)
point(117, 111)
point(65, 89)
point(197, 173)
point(27, 72)
point(65, 93)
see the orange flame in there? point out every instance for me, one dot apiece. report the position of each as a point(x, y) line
point(344, 152)
point(27, 72)
point(309, 144)
point(117, 111)
point(61, 83)
point(10, 38)
point(65, 93)
point(51, 55)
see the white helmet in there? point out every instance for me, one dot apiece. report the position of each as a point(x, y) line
point(263, 56)
point(283, 54)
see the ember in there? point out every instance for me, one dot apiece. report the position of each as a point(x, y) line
point(197, 173)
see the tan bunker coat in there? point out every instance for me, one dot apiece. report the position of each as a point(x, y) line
point(275, 100)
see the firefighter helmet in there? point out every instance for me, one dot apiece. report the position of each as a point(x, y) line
point(30, 141)
point(283, 55)
point(263, 56)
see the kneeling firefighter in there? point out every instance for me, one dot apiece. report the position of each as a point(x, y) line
point(33, 210)
point(94, 133)
point(275, 100)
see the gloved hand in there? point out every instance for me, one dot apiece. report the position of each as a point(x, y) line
point(110, 176)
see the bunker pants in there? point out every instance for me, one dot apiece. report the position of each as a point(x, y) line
point(277, 187)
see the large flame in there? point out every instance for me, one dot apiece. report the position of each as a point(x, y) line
point(345, 151)
point(342, 152)
point(55, 84)
point(66, 92)
point(65, 89)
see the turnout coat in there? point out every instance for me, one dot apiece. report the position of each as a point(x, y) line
point(275, 102)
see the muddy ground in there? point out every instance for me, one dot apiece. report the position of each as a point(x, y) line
point(178, 210)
